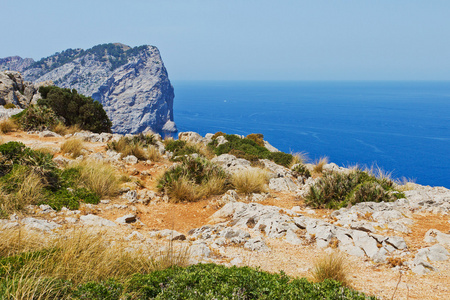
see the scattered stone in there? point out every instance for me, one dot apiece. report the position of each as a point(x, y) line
point(93, 220)
point(48, 133)
point(435, 236)
point(39, 224)
point(434, 253)
point(168, 234)
point(130, 159)
point(127, 219)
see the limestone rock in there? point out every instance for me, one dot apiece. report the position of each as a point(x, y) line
point(131, 83)
point(39, 224)
point(93, 220)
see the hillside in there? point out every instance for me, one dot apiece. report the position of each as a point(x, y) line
point(131, 83)
point(396, 248)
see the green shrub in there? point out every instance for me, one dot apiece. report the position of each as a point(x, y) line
point(258, 138)
point(210, 281)
point(30, 177)
point(301, 170)
point(9, 105)
point(335, 190)
point(281, 158)
point(75, 109)
point(250, 149)
point(36, 117)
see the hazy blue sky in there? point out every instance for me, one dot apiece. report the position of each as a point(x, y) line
point(247, 39)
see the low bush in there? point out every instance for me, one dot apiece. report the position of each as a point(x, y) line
point(210, 281)
point(258, 138)
point(193, 179)
point(250, 181)
point(301, 170)
point(336, 190)
point(30, 177)
point(36, 117)
point(9, 105)
point(7, 125)
point(181, 148)
point(75, 108)
point(250, 148)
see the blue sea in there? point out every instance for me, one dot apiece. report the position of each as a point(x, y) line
point(401, 127)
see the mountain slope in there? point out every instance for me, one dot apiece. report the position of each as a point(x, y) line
point(131, 83)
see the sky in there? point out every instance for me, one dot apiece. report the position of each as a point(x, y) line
point(247, 39)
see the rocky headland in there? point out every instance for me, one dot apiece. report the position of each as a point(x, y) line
point(131, 83)
point(396, 248)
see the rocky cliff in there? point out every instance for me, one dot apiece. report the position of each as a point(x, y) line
point(15, 90)
point(131, 83)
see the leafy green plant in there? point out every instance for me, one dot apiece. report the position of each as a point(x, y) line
point(250, 148)
point(301, 170)
point(9, 105)
point(36, 117)
point(75, 108)
point(336, 189)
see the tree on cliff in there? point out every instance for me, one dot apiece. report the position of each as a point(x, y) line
point(75, 109)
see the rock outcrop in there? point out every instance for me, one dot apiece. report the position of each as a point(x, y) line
point(131, 83)
point(14, 89)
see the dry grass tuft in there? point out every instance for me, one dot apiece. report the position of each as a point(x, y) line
point(72, 146)
point(99, 177)
point(79, 256)
point(299, 158)
point(331, 266)
point(318, 168)
point(73, 129)
point(30, 190)
point(405, 184)
point(17, 240)
point(60, 129)
point(7, 125)
point(250, 181)
point(153, 153)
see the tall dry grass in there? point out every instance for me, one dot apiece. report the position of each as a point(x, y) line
point(250, 181)
point(299, 158)
point(7, 125)
point(60, 129)
point(318, 167)
point(73, 146)
point(99, 177)
point(30, 190)
point(331, 266)
point(153, 153)
point(79, 256)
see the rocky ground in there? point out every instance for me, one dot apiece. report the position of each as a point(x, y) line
point(395, 250)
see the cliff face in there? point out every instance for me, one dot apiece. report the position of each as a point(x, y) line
point(15, 90)
point(131, 83)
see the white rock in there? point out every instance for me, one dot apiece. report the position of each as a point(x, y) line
point(93, 220)
point(39, 224)
point(130, 159)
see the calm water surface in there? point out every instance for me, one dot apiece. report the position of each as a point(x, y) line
point(403, 127)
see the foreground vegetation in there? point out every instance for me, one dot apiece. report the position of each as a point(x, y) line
point(31, 177)
point(339, 189)
point(87, 266)
point(63, 107)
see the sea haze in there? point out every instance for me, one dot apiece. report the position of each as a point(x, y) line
point(402, 127)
